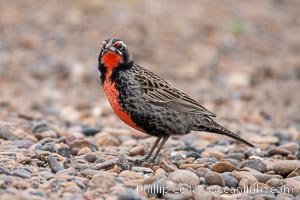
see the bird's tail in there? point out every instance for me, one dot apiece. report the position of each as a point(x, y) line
point(214, 127)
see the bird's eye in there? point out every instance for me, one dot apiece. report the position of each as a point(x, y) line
point(118, 45)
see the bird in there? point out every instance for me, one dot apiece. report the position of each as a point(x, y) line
point(147, 103)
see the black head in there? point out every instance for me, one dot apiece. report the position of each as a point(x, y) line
point(116, 46)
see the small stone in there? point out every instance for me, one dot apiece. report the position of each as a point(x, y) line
point(285, 167)
point(246, 183)
point(130, 174)
point(201, 172)
point(159, 172)
point(4, 170)
point(54, 164)
point(264, 196)
point(293, 185)
point(76, 145)
point(275, 182)
point(284, 196)
point(21, 173)
point(193, 166)
point(296, 172)
point(221, 167)
point(91, 157)
point(129, 195)
point(264, 140)
point(64, 151)
point(278, 151)
point(142, 169)
point(168, 167)
point(70, 171)
point(138, 150)
point(214, 178)
point(193, 154)
point(83, 151)
point(263, 178)
point(292, 147)
point(107, 140)
point(256, 164)
point(235, 156)
point(239, 175)
point(90, 131)
point(185, 176)
point(229, 180)
point(212, 153)
point(46, 174)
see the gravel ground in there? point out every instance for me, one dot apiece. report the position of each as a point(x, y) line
point(59, 138)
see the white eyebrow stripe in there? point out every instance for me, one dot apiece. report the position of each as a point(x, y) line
point(110, 42)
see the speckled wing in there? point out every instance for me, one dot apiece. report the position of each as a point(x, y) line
point(159, 92)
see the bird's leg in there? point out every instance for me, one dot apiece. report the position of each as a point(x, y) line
point(139, 162)
point(158, 150)
point(152, 148)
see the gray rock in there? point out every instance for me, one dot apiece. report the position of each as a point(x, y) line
point(54, 164)
point(229, 180)
point(91, 157)
point(256, 164)
point(4, 170)
point(90, 131)
point(236, 156)
point(184, 176)
point(21, 173)
point(64, 151)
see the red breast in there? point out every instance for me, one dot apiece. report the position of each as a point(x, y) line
point(111, 60)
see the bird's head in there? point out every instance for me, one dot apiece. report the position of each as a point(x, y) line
point(114, 53)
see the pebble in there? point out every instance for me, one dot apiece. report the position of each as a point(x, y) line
point(201, 172)
point(284, 196)
point(21, 173)
point(229, 180)
point(69, 171)
point(264, 140)
point(84, 150)
point(138, 150)
point(91, 157)
point(214, 178)
point(212, 153)
point(76, 145)
point(184, 176)
point(90, 131)
point(285, 167)
point(193, 154)
point(278, 151)
point(54, 164)
point(239, 175)
point(294, 185)
point(256, 164)
point(130, 174)
point(142, 169)
point(221, 167)
point(296, 172)
point(64, 151)
point(107, 140)
point(275, 182)
point(46, 174)
point(159, 172)
point(129, 195)
point(235, 156)
point(193, 166)
point(292, 147)
point(4, 170)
